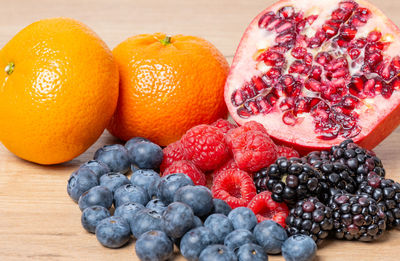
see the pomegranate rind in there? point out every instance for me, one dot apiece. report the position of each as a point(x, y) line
point(375, 125)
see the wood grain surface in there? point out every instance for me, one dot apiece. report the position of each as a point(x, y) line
point(38, 221)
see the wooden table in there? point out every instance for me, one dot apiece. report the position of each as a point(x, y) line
point(38, 220)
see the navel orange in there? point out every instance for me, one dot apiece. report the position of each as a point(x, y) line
point(58, 90)
point(167, 86)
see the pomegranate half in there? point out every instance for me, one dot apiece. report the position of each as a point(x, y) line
point(315, 73)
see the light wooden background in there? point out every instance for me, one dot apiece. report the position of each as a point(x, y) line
point(38, 221)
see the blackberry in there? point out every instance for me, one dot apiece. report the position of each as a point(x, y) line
point(289, 180)
point(310, 217)
point(357, 217)
point(336, 176)
point(386, 192)
point(359, 160)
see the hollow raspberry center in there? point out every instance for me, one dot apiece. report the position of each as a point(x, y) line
point(329, 70)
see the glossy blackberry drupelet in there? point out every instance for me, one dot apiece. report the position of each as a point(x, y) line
point(289, 180)
point(310, 217)
point(359, 160)
point(386, 193)
point(335, 175)
point(357, 217)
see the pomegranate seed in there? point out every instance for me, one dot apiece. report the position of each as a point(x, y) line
point(369, 87)
point(274, 72)
point(330, 133)
point(258, 84)
point(395, 83)
point(248, 91)
point(271, 99)
point(298, 67)
point(313, 85)
point(252, 107)
point(354, 53)
point(348, 33)
point(301, 25)
point(343, 72)
point(316, 72)
point(284, 26)
point(301, 106)
point(299, 52)
point(373, 48)
point(374, 36)
point(237, 98)
point(266, 19)
point(349, 102)
point(396, 64)
point(356, 84)
point(323, 58)
point(384, 68)
point(363, 13)
point(308, 59)
point(348, 5)
point(372, 60)
point(285, 39)
point(311, 19)
point(314, 102)
point(264, 106)
point(387, 91)
point(286, 104)
point(341, 14)
point(272, 58)
point(314, 42)
point(342, 43)
point(330, 30)
point(244, 113)
point(278, 49)
point(286, 12)
point(288, 118)
point(360, 43)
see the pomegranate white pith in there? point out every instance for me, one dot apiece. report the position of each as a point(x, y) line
point(359, 89)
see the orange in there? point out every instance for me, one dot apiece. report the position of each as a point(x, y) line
point(167, 86)
point(58, 90)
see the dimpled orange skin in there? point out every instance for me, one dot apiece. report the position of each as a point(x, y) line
point(165, 89)
point(61, 94)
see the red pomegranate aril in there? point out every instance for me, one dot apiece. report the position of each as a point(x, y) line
point(273, 73)
point(288, 103)
point(259, 84)
point(349, 102)
point(238, 98)
point(299, 67)
point(369, 87)
point(341, 15)
point(301, 106)
point(308, 59)
point(311, 19)
point(299, 52)
point(363, 13)
point(330, 30)
point(272, 24)
point(285, 39)
point(287, 80)
point(272, 58)
point(348, 5)
point(266, 19)
point(313, 85)
point(286, 12)
point(342, 43)
point(252, 107)
point(288, 118)
point(316, 72)
point(342, 72)
point(264, 105)
point(387, 91)
point(271, 98)
point(243, 113)
point(323, 58)
point(395, 83)
point(284, 26)
point(348, 33)
point(384, 69)
point(356, 85)
point(373, 59)
point(374, 36)
point(248, 91)
point(354, 53)
point(314, 42)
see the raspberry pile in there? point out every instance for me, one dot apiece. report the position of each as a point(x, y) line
point(175, 207)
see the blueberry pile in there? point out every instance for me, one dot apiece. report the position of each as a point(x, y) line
point(163, 212)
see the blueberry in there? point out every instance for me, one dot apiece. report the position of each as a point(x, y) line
point(220, 225)
point(199, 198)
point(177, 219)
point(114, 180)
point(144, 178)
point(156, 205)
point(154, 245)
point(197, 222)
point(194, 241)
point(130, 193)
point(81, 181)
point(96, 196)
point(237, 238)
point(299, 248)
point(113, 232)
point(251, 252)
point(115, 157)
point(128, 210)
point(145, 154)
point(91, 216)
point(99, 168)
point(242, 217)
point(153, 189)
point(220, 206)
point(170, 184)
point(270, 235)
point(134, 140)
point(217, 253)
point(145, 220)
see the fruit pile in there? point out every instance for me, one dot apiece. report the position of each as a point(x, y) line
point(175, 208)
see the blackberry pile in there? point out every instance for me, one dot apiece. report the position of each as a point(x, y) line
point(347, 184)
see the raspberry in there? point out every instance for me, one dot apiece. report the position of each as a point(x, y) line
point(235, 187)
point(248, 126)
point(223, 125)
point(266, 208)
point(205, 146)
point(231, 164)
point(287, 152)
point(189, 169)
point(253, 151)
point(173, 152)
